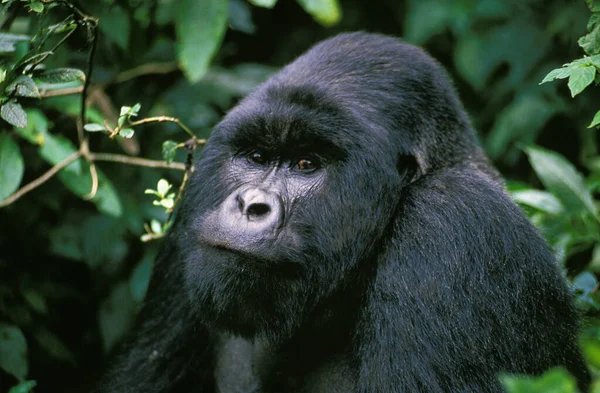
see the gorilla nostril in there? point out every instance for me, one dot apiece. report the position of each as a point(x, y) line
point(257, 210)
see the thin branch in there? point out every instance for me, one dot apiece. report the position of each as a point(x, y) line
point(61, 92)
point(136, 161)
point(146, 69)
point(40, 180)
point(163, 119)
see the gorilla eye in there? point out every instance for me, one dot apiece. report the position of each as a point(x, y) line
point(257, 158)
point(306, 164)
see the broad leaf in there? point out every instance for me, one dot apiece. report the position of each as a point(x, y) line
point(540, 200)
point(200, 27)
point(580, 78)
point(23, 86)
point(561, 178)
point(23, 387)
point(61, 75)
point(553, 381)
point(94, 127)
point(76, 176)
point(13, 113)
point(11, 166)
point(558, 73)
point(591, 42)
point(36, 129)
point(8, 41)
point(326, 12)
point(13, 351)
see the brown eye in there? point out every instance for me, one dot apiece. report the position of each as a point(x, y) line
point(257, 157)
point(307, 165)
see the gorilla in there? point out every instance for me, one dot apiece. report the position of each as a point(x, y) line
point(344, 232)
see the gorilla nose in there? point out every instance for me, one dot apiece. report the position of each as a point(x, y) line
point(258, 206)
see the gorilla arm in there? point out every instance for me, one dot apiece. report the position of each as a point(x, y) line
point(166, 351)
point(466, 277)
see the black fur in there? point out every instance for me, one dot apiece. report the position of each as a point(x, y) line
point(398, 265)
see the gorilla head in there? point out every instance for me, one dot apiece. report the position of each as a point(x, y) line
point(343, 232)
point(301, 181)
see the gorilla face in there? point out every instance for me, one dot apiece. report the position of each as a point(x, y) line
point(287, 204)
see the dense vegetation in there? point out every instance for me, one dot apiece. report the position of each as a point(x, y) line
point(85, 189)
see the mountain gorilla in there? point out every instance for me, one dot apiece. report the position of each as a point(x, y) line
point(344, 232)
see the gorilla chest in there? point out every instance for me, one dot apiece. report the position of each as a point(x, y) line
point(243, 366)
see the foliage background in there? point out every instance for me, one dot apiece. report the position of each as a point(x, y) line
point(73, 271)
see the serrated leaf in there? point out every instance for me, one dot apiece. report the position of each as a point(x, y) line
point(200, 27)
point(11, 166)
point(13, 351)
point(326, 12)
point(169, 149)
point(94, 127)
point(12, 112)
point(591, 42)
point(561, 178)
point(596, 120)
point(558, 73)
point(264, 3)
point(126, 133)
point(36, 129)
point(23, 86)
point(61, 75)
point(580, 78)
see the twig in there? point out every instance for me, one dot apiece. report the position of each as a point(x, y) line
point(94, 174)
point(163, 119)
point(136, 161)
point(146, 69)
point(61, 92)
point(40, 180)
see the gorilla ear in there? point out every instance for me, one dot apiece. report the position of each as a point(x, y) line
point(408, 168)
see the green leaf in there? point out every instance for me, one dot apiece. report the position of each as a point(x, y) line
point(23, 387)
point(54, 345)
point(169, 149)
point(76, 176)
point(264, 3)
point(200, 27)
point(94, 127)
point(561, 178)
point(115, 25)
point(61, 75)
point(156, 226)
point(36, 6)
point(591, 42)
point(326, 12)
point(11, 166)
point(23, 86)
point(558, 73)
point(116, 315)
point(126, 133)
point(540, 200)
point(13, 351)
point(240, 17)
point(556, 380)
point(163, 187)
point(8, 41)
point(140, 278)
point(12, 112)
point(35, 300)
point(36, 129)
point(596, 120)
point(580, 78)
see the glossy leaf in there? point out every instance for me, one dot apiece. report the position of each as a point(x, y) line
point(23, 86)
point(595, 121)
point(11, 166)
point(264, 3)
point(561, 178)
point(540, 200)
point(200, 27)
point(94, 127)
